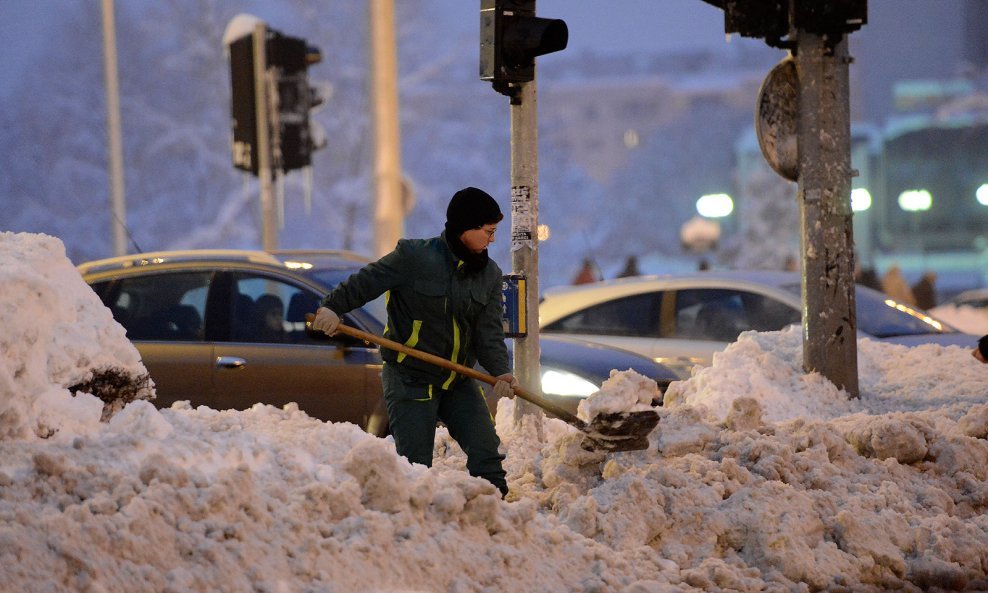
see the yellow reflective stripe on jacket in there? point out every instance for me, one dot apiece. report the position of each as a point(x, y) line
point(387, 297)
point(456, 352)
point(412, 339)
point(456, 338)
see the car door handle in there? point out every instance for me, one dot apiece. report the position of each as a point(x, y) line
point(230, 362)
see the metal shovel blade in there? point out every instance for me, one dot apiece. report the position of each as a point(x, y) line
point(620, 431)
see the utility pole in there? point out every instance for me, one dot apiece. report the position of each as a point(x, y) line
point(262, 115)
point(824, 145)
point(524, 232)
point(389, 206)
point(804, 128)
point(511, 37)
point(118, 208)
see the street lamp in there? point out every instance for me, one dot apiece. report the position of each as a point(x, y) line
point(860, 199)
point(715, 205)
point(982, 194)
point(915, 200)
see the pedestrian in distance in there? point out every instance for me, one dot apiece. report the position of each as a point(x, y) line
point(587, 273)
point(630, 268)
point(925, 291)
point(894, 284)
point(444, 299)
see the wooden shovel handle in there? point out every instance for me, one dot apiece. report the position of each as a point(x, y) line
point(526, 395)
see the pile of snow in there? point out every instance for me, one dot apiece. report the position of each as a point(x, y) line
point(56, 334)
point(758, 478)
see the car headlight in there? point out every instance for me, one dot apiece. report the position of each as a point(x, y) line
point(556, 382)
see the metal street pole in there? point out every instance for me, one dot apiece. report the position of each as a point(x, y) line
point(389, 209)
point(524, 235)
point(117, 203)
point(824, 195)
point(262, 106)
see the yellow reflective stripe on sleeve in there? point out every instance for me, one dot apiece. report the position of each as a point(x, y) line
point(387, 297)
point(412, 339)
point(456, 352)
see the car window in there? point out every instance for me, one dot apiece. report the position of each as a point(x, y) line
point(166, 306)
point(267, 310)
point(636, 316)
point(881, 317)
point(722, 314)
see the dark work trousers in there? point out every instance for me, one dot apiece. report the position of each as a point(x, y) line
point(414, 408)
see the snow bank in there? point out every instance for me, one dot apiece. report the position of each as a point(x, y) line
point(56, 334)
point(757, 478)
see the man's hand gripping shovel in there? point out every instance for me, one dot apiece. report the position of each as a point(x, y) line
point(619, 431)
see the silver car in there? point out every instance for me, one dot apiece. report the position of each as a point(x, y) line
point(682, 320)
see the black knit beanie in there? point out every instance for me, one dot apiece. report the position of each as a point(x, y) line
point(983, 347)
point(471, 208)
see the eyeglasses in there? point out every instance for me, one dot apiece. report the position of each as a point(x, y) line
point(490, 232)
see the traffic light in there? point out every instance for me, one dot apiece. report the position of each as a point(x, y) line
point(511, 37)
point(287, 61)
point(770, 19)
point(289, 58)
point(243, 104)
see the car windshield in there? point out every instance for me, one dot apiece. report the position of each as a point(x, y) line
point(881, 317)
point(332, 277)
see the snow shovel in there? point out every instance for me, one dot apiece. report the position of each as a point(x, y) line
point(619, 431)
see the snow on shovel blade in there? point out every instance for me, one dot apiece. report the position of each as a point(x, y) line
point(620, 431)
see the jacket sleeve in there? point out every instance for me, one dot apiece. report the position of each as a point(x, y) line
point(492, 353)
point(368, 283)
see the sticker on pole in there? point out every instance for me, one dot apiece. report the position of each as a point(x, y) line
point(776, 116)
point(522, 218)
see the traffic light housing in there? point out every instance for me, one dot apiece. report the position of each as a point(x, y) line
point(511, 37)
point(290, 58)
point(287, 60)
point(243, 104)
point(770, 19)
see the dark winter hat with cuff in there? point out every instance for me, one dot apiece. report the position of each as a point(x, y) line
point(470, 208)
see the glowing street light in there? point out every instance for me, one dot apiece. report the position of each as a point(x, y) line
point(860, 199)
point(982, 194)
point(715, 205)
point(543, 232)
point(915, 200)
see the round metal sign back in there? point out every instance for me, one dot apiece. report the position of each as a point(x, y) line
point(775, 119)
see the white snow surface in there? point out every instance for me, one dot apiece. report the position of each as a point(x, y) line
point(757, 478)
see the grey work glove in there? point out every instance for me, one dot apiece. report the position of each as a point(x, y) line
point(326, 321)
point(505, 386)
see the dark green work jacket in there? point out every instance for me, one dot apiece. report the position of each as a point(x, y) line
point(435, 305)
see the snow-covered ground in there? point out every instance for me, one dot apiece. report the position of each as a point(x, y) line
point(758, 478)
